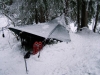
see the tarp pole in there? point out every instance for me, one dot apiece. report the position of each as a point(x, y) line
point(39, 54)
point(26, 66)
point(25, 62)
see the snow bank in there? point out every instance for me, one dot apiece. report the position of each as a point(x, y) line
point(73, 27)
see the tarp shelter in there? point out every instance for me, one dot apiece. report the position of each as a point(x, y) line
point(45, 30)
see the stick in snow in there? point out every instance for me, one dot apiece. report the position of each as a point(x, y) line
point(26, 66)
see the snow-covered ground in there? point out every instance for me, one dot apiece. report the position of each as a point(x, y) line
point(79, 57)
point(3, 21)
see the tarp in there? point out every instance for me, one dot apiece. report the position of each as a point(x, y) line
point(60, 33)
point(46, 30)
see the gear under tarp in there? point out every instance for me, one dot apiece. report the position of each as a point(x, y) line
point(45, 30)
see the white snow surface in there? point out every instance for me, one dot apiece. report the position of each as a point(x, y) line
point(79, 57)
point(3, 21)
point(42, 29)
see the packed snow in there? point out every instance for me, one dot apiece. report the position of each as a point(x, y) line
point(81, 56)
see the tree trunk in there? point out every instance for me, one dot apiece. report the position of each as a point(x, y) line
point(46, 13)
point(96, 19)
point(66, 7)
point(36, 16)
point(78, 14)
point(65, 11)
point(84, 15)
point(41, 15)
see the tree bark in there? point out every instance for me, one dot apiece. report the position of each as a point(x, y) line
point(36, 16)
point(96, 19)
point(41, 15)
point(84, 14)
point(78, 14)
point(66, 7)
